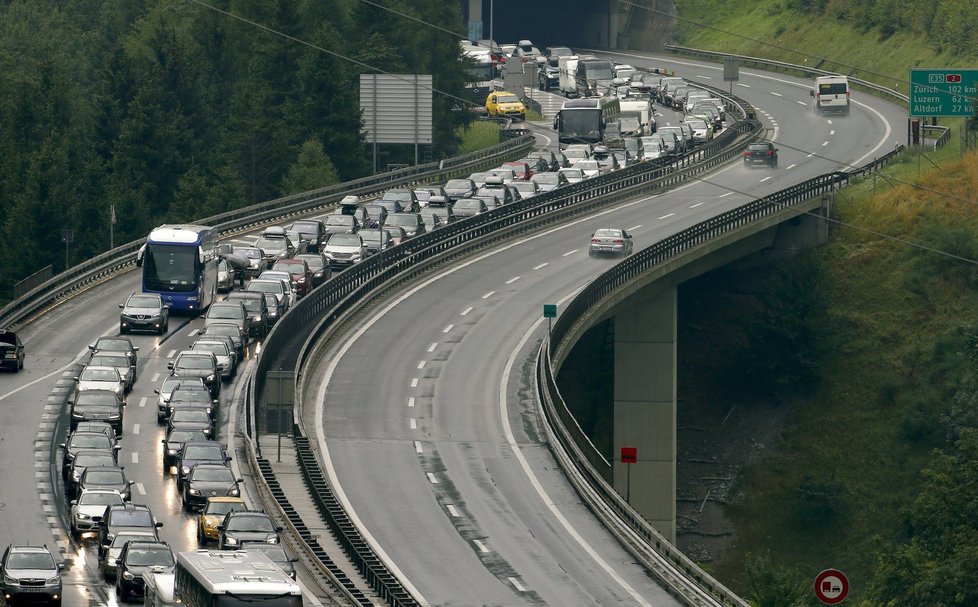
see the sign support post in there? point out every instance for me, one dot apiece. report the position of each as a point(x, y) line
point(628, 456)
point(549, 312)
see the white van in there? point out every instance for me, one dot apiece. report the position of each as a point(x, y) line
point(831, 94)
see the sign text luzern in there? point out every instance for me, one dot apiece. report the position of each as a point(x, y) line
point(951, 92)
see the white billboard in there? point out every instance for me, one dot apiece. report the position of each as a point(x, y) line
point(396, 107)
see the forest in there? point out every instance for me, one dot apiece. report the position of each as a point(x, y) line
point(174, 110)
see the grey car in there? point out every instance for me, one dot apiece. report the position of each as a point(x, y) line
point(412, 223)
point(144, 312)
point(189, 363)
point(30, 572)
point(117, 344)
point(229, 311)
point(613, 241)
point(117, 360)
point(230, 330)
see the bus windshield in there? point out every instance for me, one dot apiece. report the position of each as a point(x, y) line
point(583, 125)
point(170, 268)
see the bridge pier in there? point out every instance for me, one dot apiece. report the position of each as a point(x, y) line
point(645, 407)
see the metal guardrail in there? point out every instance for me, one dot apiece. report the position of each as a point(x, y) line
point(768, 64)
point(943, 134)
point(93, 271)
point(291, 342)
point(590, 464)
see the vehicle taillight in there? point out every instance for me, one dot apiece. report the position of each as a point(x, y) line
point(746, 152)
point(595, 241)
point(770, 153)
point(616, 241)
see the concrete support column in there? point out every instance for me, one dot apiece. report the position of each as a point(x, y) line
point(645, 407)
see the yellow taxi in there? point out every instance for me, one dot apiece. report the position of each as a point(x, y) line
point(501, 103)
point(213, 514)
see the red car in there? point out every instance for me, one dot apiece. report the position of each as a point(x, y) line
point(522, 169)
point(300, 272)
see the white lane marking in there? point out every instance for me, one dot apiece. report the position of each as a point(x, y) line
point(765, 179)
point(828, 121)
point(414, 382)
point(488, 294)
point(542, 265)
point(512, 280)
point(570, 252)
point(422, 364)
point(141, 489)
point(776, 94)
point(724, 195)
point(466, 311)
point(171, 353)
point(448, 328)
point(413, 423)
point(417, 447)
point(142, 401)
point(790, 166)
point(531, 475)
point(801, 102)
point(432, 347)
point(696, 205)
point(832, 132)
point(667, 216)
point(432, 478)
point(516, 584)
point(135, 457)
point(155, 378)
point(480, 545)
point(192, 333)
point(825, 143)
point(135, 428)
point(634, 227)
point(410, 401)
point(810, 155)
point(702, 76)
point(451, 510)
point(746, 86)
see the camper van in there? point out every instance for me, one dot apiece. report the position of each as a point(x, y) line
point(567, 69)
point(831, 94)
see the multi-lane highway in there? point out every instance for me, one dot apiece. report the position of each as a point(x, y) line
point(425, 414)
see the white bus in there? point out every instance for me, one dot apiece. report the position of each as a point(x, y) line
point(586, 120)
point(225, 578)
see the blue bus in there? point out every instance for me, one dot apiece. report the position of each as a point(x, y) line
point(180, 263)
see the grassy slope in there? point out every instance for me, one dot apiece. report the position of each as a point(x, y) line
point(863, 426)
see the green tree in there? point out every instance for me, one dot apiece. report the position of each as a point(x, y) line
point(312, 170)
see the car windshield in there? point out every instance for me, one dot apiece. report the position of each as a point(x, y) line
point(132, 518)
point(224, 329)
point(219, 349)
point(398, 219)
point(758, 147)
point(607, 234)
point(94, 459)
point(114, 345)
point(90, 374)
point(182, 436)
point(217, 311)
point(344, 240)
point(88, 498)
point(190, 415)
point(397, 195)
point(697, 124)
point(193, 362)
point(251, 304)
point(370, 235)
point(108, 360)
point(249, 523)
point(306, 227)
point(458, 184)
point(147, 557)
point(340, 220)
point(143, 301)
point(96, 398)
point(507, 99)
point(248, 252)
point(547, 178)
point(90, 441)
point(124, 538)
point(222, 508)
point(288, 266)
point(272, 244)
point(468, 203)
point(212, 473)
point(104, 477)
point(315, 262)
point(194, 396)
point(266, 286)
point(200, 452)
point(30, 560)
point(276, 553)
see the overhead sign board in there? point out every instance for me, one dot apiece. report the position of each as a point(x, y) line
point(629, 455)
point(949, 92)
point(396, 107)
point(731, 69)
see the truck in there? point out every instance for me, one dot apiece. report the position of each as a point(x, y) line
point(640, 104)
point(593, 77)
point(567, 66)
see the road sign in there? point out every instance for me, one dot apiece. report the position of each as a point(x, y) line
point(629, 455)
point(943, 92)
point(550, 310)
point(831, 586)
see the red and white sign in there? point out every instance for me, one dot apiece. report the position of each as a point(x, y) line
point(831, 586)
point(629, 455)
point(952, 78)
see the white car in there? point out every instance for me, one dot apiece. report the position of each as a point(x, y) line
point(286, 279)
point(97, 377)
point(344, 250)
point(87, 510)
point(282, 290)
point(590, 168)
point(702, 131)
point(573, 174)
point(226, 359)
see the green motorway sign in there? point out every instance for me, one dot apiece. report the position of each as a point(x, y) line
point(950, 92)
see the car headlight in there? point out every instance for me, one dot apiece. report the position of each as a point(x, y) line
point(194, 492)
point(230, 541)
point(108, 538)
point(210, 377)
point(272, 540)
point(185, 470)
point(207, 430)
point(234, 492)
point(76, 476)
point(11, 580)
point(82, 516)
point(356, 255)
point(301, 279)
point(171, 451)
point(115, 417)
point(258, 318)
point(127, 576)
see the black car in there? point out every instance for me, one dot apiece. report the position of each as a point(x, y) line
point(459, 188)
point(376, 215)
point(30, 573)
point(117, 344)
point(78, 441)
point(318, 267)
point(191, 418)
point(84, 459)
point(761, 153)
point(208, 480)
point(197, 452)
point(548, 76)
point(170, 384)
point(174, 441)
point(192, 396)
point(257, 310)
point(136, 559)
point(111, 478)
point(96, 406)
point(198, 364)
point(247, 526)
point(127, 517)
point(376, 240)
point(144, 312)
point(312, 231)
point(11, 351)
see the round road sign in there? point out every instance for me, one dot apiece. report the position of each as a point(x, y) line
point(831, 586)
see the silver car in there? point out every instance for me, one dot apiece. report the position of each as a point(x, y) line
point(95, 377)
point(614, 241)
point(226, 359)
point(144, 312)
point(344, 250)
point(117, 360)
point(87, 510)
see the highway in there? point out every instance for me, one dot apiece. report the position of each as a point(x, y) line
point(429, 425)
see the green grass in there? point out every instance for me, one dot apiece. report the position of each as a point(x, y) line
point(479, 135)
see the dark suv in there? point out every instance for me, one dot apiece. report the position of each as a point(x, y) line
point(190, 364)
point(136, 559)
point(30, 572)
point(11, 351)
point(246, 526)
point(128, 517)
point(196, 452)
point(761, 153)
